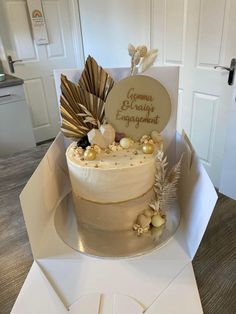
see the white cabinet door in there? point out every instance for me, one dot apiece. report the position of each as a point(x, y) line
point(39, 61)
point(15, 126)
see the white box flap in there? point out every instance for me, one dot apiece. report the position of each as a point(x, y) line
point(38, 296)
point(181, 296)
point(141, 278)
point(197, 196)
point(74, 275)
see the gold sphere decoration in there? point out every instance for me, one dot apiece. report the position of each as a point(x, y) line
point(148, 148)
point(90, 154)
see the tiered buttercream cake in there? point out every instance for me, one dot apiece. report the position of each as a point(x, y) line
point(111, 191)
point(118, 174)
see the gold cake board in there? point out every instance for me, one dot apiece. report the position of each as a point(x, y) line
point(112, 244)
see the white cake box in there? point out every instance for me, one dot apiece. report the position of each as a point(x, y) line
point(63, 280)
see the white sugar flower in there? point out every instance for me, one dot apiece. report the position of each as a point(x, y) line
point(97, 149)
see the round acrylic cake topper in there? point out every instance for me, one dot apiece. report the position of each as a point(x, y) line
point(138, 105)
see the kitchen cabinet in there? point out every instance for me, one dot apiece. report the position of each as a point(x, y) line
point(16, 133)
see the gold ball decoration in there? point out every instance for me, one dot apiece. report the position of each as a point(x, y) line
point(157, 221)
point(90, 154)
point(148, 148)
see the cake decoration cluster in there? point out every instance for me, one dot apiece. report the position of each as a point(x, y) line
point(165, 187)
point(147, 144)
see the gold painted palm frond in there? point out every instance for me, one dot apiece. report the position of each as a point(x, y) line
point(95, 79)
point(165, 185)
point(83, 104)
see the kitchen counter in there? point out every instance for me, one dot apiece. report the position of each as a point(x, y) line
point(11, 80)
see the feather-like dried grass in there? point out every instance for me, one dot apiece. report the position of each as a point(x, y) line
point(165, 185)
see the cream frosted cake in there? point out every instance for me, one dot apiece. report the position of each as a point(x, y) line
point(112, 190)
point(113, 177)
point(118, 171)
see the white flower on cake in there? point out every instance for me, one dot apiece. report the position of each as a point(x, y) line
point(78, 151)
point(154, 138)
point(144, 139)
point(97, 149)
point(114, 147)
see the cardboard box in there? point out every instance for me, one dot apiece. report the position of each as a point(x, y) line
point(62, 280)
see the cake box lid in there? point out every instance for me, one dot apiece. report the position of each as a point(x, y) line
point(146, 278)
point(50, 183)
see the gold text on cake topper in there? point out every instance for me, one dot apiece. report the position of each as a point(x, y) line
point(137, 103)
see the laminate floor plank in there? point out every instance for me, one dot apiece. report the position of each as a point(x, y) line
point(215, 261)
point(15, 253)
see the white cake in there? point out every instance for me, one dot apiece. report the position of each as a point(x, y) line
point(111, 191)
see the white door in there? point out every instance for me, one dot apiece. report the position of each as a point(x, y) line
point(204, 92)
point(38, 61)
point(228, 174)
point(194, 34)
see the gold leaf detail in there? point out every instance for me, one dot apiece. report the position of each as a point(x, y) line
point(95, 79)
point(83, 104)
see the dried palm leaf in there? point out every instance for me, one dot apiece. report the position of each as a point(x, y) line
point(80, 110)
point(95, 80)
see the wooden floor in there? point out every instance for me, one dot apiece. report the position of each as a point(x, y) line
point(214, 263)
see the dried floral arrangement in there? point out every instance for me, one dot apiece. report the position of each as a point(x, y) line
point(82, 104)
point(165, 188)
point(141, 58)
point(165, 183)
